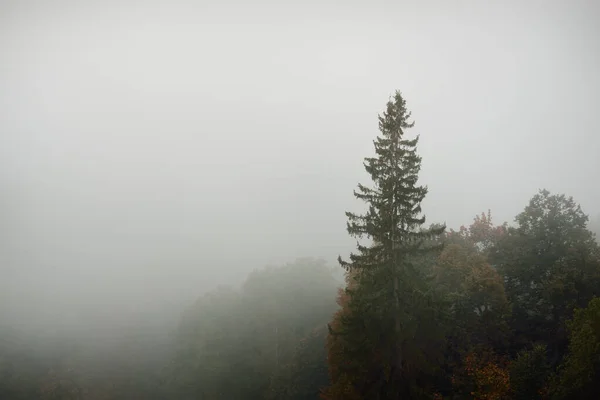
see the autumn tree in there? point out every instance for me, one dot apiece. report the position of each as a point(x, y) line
point(476, 301)
point(391, 303)
point(489, 377)
point(479, 237)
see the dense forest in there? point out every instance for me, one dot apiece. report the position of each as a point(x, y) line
point(419, 311)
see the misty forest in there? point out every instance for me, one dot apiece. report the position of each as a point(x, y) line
point(467, 282)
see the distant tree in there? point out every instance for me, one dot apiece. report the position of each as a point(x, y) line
point(245, 344)
point(392, 303)
point(56, 388)
point(306, 373)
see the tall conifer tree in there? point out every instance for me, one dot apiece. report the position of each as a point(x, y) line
point(390, 303)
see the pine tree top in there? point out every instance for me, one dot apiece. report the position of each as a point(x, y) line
point(393, 220)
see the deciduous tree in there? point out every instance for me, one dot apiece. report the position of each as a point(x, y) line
point(550, 264)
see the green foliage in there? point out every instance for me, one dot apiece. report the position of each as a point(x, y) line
point(478, 304)
point(580, 370)
point(392, 312)
point(550, 265)
point(529, 374)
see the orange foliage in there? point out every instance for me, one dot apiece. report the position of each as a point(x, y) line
point(481, 233)
point(489, 377)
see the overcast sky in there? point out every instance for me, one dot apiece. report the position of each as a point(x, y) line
point(151, 149)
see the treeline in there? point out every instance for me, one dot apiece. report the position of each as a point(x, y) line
point(263, 340)
point(481, 333)
point(512, 314)
point(487, 312)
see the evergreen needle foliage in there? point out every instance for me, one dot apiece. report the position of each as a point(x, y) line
point(390, 291)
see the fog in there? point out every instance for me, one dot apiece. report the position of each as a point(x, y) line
point(151, 151)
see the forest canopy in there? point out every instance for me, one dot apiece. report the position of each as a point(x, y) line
point(418, 311)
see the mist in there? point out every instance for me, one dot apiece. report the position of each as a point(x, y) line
point(153, 152)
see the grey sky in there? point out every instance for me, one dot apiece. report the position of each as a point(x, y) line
point(156, 150)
